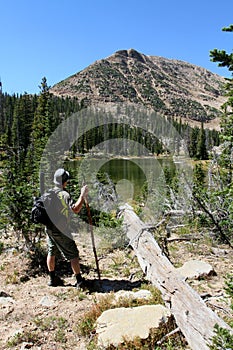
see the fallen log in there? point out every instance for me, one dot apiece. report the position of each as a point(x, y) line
point(193, 317)
point(183, 238)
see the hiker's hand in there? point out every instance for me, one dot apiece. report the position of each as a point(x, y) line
point(84, 192)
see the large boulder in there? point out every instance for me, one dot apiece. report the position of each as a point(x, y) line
point(195, 269)
point(115, 326)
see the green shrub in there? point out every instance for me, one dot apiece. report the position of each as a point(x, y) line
point(223, 340)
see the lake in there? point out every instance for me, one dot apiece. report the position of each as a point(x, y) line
point(128, 174)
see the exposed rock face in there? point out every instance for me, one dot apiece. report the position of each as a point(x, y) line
point(171, 87)
point(116, 325)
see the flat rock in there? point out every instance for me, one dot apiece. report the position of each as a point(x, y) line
point(195, 269)
point(218, 251)
point(140, 294)
point(116, 325)
point(6, 300)
point(121, 294)
point(47, 301)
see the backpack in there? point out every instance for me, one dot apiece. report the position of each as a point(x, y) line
point(50, 203)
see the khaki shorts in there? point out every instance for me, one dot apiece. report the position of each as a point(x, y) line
point(58, 242)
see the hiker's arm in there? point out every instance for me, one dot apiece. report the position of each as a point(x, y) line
point(78, 205)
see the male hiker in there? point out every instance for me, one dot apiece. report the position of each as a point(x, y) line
point(59, 236)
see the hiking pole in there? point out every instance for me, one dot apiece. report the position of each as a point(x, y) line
point(41, 183)
point(92, 236)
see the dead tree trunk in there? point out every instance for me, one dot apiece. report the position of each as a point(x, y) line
point(194, 318)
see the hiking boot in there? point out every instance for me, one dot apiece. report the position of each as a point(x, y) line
point(55, 282)
point(82, 284)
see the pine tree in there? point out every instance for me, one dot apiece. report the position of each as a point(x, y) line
point(16, 205)
point(192, 142)
point(201, 153)
point(41, 128)
point(22, 122)
point(226, 60)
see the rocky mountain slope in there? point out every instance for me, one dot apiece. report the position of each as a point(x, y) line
point(171, 87)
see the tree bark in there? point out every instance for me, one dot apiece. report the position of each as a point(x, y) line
point(193, 317)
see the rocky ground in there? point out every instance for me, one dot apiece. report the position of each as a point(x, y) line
point(35, 316)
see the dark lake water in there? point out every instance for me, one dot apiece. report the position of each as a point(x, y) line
point(128, 175)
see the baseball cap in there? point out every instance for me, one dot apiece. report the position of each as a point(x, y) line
point(61, 176)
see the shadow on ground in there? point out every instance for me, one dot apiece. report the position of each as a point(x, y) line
point(106, 285)
point(63, 268)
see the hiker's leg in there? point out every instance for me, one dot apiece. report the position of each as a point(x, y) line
point(80, 281)
point(54, 280)
point(52, 251)
point(75, 265)
point(51, 262)
point(70, 251)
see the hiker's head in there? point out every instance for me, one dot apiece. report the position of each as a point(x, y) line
point(61, 176)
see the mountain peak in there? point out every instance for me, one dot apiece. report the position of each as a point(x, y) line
point(131, 53)
point(171, 87)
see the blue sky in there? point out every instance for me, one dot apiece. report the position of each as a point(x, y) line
point(57, 38)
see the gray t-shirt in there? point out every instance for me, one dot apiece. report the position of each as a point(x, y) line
point(62, 213)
